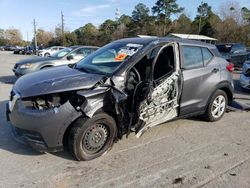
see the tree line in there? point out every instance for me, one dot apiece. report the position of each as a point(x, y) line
point(231, 24)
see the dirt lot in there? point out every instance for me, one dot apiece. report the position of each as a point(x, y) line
point(182, 153)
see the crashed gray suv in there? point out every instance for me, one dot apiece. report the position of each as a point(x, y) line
point(126, 86)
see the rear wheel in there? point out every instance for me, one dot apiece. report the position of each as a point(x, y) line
point(46, 54)
point(217, 106)
point(91, 138)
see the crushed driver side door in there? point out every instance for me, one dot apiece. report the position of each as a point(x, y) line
point(162, 101)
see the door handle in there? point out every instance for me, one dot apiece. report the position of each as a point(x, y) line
point(215, 70)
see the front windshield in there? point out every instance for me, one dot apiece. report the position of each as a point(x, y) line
point(108, 58)
point(61, 53)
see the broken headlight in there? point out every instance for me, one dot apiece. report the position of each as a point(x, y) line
point(44, 102)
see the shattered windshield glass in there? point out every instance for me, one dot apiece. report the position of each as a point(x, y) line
point(108, 58)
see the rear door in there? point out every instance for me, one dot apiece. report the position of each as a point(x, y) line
point(201, 75)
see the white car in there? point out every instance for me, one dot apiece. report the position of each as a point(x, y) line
point(245, 75)
point(50, 50)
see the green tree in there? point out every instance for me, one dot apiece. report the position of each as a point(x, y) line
point(245, 14)
point(140, 14)
point(70, 38)
point(182, 24)
point(3, 40)
point(44, 37)
point(87, 35)
point(106, 31)
point(140, 19)
point(14, 36)
point(163, 10)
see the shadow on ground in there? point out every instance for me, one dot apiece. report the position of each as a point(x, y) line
point(8, 79)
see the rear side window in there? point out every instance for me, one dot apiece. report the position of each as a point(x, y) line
point(207, 55)
point(192, 57)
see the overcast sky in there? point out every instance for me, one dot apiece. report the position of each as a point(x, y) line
point(20, 13)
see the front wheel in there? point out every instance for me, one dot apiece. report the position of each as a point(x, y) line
point(217, 106)
point(93, 137)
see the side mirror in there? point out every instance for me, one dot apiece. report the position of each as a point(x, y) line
point(69, 57)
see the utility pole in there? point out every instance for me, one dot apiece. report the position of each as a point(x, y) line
point(35, 40)
point(27, 36)
point(200, 17)
point(117, 14)
point(62, 19)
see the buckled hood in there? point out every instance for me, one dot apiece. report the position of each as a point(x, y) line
point(55, 80)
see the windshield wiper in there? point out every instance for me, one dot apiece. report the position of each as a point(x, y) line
point(82, 69)
point(72, 65)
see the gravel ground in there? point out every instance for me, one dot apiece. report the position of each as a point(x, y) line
point(182, 153)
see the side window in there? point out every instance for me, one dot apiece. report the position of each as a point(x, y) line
point(192, 57)
point(207, 55)
point(87, 51)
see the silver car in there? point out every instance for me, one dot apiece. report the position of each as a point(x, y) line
point(68, 55)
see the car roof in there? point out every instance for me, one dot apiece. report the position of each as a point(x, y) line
point(78, 46)
point(148, 40)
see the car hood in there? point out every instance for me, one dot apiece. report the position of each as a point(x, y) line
point(35, 60)
point(56, 80)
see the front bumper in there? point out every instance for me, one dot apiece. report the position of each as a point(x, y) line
point(245, 81)
point(20, 72)
point(43, 130)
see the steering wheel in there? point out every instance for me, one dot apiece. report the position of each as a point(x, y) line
point(137, 76)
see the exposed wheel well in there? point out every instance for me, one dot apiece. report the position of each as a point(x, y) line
point(66, 133)
point(228, 92)
point(46, 66)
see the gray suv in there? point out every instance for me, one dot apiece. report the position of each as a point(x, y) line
point(129, 85)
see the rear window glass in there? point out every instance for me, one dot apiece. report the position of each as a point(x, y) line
point(207, 55)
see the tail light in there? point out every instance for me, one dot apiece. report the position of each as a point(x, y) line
point(230, 67)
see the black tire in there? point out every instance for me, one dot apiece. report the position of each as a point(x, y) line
point(210, 107)
point(84, 132)
point(46, 54)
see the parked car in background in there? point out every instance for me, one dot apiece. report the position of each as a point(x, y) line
point(19, 50)
point(68, 55)
point(50, 50)
point(235, 53)
point(128, 85)
point(28, 50)
point(245, 74)
point(10, 48)
point(2, 48)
